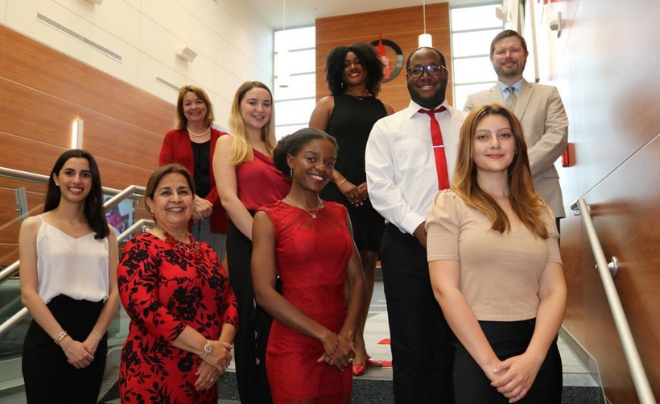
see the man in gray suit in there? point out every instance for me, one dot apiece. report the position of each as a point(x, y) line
point(539, 109)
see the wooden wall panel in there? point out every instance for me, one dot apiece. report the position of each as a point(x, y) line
point(41, 68)
point(614, 124)
point(41, 92)
point(34, 115)
point(124, 102)
point(107, 137)
point(401, 26)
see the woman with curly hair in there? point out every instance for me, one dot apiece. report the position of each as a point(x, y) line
point(354, 74)
point(307, 242)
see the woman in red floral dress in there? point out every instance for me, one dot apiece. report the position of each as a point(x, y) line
point(183, 311)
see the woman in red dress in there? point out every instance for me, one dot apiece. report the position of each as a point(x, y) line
point(308, 243)
point(183, 311)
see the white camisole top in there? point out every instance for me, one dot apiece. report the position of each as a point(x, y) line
point(75, 267)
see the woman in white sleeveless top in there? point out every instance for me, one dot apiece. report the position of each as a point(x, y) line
point(69, 284)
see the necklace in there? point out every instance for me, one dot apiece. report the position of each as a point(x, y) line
point(312, 214)
point(192, 250)
point(359, 97)
point(198, 134)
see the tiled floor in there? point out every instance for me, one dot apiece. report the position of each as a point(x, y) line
point(377, 329)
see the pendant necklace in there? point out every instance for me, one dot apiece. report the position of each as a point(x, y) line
point(198, 134)
point(359, 97)
point(192, 250)
point(312, 214)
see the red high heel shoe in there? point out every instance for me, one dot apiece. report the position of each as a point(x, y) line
point(373, 363)
point(358, 370)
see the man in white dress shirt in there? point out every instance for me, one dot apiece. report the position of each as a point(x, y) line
point(401, 181)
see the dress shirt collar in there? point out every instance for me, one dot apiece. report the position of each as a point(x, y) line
point(516, 86)
point(414, 108)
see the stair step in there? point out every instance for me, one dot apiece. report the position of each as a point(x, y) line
point(376, 388)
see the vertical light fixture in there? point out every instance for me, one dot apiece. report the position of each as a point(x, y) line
point(77, 134)
point(425, 39)
point(284, 73)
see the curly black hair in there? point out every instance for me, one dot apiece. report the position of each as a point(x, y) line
point(291, 144)
point(334, 67)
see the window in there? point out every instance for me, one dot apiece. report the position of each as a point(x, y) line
point(294, 104)
point(472, 30)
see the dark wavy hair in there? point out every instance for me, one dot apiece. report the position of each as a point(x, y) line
point(157, 176)
point(334, 67)
point(93, 208)
point(291, 144)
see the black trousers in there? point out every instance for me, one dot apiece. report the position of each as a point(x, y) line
point(253, 323)
point(422, 342)
point(49, 379)
point(507, 339)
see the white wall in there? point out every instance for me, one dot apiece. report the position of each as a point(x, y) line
point(232, 42)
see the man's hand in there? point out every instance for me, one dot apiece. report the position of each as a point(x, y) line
point(420, 234)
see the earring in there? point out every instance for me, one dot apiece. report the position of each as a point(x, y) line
point(291, 172)
point(342, 85)
point(516, 151)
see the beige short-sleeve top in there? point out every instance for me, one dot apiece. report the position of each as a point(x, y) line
point(500, 272)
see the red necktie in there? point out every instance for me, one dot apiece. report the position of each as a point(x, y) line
point(438, 148)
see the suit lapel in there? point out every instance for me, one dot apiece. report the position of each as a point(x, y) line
point(495, 95)
point(526, 91)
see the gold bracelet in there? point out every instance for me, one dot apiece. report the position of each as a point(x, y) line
point(97, 335)
point(341, 183)
point(60, 337)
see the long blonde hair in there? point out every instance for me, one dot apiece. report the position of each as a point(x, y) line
point(526, 204)
point(242, 150)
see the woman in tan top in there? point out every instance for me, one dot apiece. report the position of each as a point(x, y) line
point(495, 268)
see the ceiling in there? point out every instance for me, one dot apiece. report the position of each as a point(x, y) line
point(305, 12)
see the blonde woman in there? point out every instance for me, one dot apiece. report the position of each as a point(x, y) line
point(192, 144)
point(247, 179)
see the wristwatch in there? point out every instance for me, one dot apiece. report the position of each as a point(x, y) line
point(207, 349)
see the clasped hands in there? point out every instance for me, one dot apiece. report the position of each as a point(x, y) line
point(514, 377)
point(213, 365)
point(338, 351)
point(201, 209)
point(79, 354)
point(356, 195)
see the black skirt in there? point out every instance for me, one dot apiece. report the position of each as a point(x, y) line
point(507, 339)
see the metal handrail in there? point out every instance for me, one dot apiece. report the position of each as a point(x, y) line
point(637, 371)
point(131, 190)
point(141, 224)
point(13, 320)
point(43, 179)
point(9, 271)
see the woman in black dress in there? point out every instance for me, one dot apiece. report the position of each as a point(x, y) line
point(353, 74)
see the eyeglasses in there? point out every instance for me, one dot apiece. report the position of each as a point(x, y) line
point(433, 70)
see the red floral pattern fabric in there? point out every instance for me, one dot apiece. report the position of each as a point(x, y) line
point(163, 292)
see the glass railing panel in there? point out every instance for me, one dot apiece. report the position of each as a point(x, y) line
point(9, 217)
point(11, 343)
